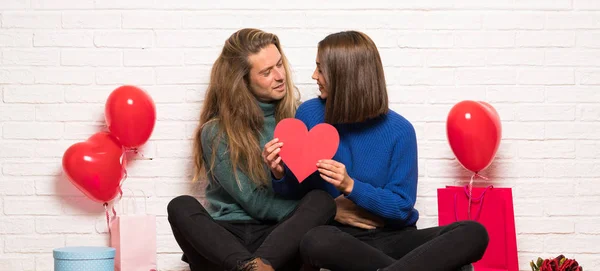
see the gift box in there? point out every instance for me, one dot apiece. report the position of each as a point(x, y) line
point(84, 258)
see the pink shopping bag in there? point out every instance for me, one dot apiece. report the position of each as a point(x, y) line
point(493, 208)
point(133, 235)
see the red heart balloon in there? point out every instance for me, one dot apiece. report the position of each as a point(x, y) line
point(96, 166)
point(474, 133)
point(130, 114)
point(302, 149)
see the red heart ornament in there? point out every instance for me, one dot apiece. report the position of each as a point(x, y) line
point(302, 149)
point(96, 166)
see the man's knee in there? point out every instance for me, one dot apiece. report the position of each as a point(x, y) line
point(323, 200)
point(179, 206)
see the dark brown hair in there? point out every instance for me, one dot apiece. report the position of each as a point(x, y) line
point(351, 66)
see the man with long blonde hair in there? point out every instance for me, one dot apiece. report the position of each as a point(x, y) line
point(247, 227)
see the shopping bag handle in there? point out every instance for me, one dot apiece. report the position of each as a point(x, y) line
point(135, 206)
point(114, 212)
point(471, 199)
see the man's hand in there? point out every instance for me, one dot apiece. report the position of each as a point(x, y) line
point(271, 157)
point(348, 213)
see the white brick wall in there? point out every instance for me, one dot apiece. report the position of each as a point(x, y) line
point(536, 61)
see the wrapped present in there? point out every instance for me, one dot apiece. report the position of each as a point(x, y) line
point(84, 258)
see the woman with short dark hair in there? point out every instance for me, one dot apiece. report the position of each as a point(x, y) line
point(373, 175)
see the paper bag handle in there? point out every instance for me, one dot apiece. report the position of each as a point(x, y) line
point(125, 210)
point(471, 199)
point(114, 212)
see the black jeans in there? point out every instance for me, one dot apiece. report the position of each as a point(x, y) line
point(216, 245)
point(347, 248)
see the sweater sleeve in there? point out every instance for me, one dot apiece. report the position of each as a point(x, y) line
point(288, 186)
point(396, 200)
point(259, 202)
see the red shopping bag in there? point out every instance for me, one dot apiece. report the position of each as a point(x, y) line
point(493, 208)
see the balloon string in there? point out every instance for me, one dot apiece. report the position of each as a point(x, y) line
point(107, 217)
point(138, 152)
point(476, 174)
point(112, 209)
point(125, 175)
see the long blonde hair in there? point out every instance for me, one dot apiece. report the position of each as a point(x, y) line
point(229, 100)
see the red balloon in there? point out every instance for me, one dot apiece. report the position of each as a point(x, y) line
point(130, 115)
point(474, 133)
point(96, 166)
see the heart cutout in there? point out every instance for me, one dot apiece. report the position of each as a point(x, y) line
point(96, 166)
point(302, 149)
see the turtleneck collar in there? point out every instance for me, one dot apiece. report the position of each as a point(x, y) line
point(267, 108)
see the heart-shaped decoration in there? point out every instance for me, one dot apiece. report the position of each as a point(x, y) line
point(96, 166)
point(302, 149)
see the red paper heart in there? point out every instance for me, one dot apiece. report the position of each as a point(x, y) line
point(302, 149)
point(96, 166)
